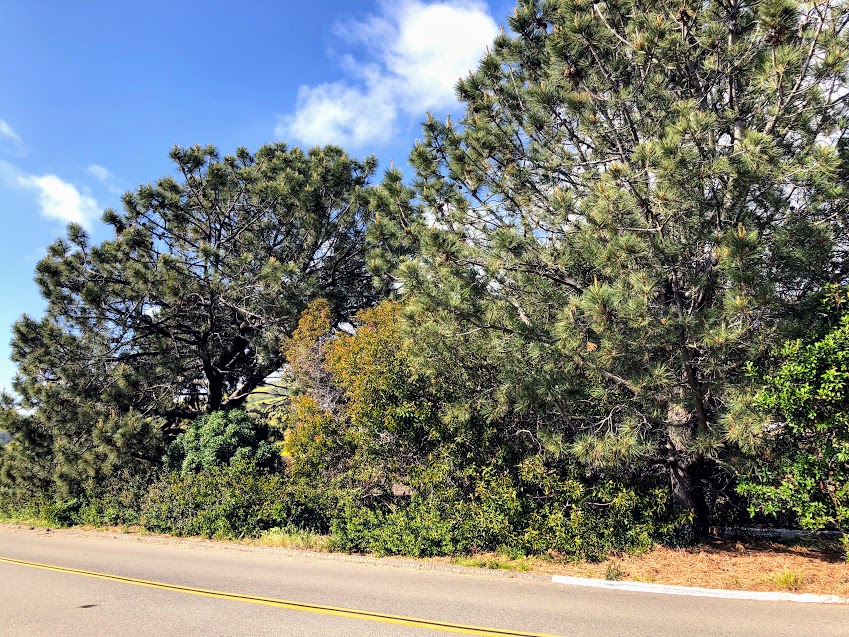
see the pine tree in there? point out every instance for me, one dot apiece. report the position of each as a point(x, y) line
point(182, 313)
point(641, 197)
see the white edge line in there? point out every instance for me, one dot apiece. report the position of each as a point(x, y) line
point(668, 589)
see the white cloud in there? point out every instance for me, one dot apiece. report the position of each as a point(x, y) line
point(61, 200)
point(418, 52)
point(436, 45)
point(99, 172)
point(340, 114)
point(7, 132)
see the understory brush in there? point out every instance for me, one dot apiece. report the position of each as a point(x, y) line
point(233, 501)
point(492, 514)
point(579, 522)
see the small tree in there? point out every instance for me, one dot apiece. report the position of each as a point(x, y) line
point(358, 416)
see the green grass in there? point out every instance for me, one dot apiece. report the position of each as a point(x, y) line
point(788, 580)
point(494, 562)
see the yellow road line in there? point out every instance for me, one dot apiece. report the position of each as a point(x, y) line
point(349, 613)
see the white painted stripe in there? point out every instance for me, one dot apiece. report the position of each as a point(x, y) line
point(668, 589)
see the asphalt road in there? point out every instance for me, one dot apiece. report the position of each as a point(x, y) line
point(37, 602)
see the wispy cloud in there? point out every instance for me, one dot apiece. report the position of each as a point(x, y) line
point(57, 199)
point(417, 52)
point(107, 178)
point(7, 132)
point(99, 172)
point(61, 200)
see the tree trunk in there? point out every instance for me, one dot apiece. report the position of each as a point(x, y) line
point(215, 389)
point(688, 495)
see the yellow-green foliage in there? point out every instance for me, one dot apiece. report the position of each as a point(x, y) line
point(314, 325)
point(372, 367)
point(356, 410)
point(309, 436)
point(365, 362)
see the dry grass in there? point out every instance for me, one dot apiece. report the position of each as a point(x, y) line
point(758, 566)
point(495, 562)
point(292, 539)
point(26, 521)
point(788, 580)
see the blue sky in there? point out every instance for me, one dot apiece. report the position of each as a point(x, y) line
point(96, 93)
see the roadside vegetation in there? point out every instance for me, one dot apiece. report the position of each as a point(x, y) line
point(609, 312)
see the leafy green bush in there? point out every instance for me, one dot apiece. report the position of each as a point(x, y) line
point(420, 528)
point(803, 445)
point(427, 526)
point(608, 518)
point(16, 505)
point(231, 501)
point(115, 501)
point(221, 438)
point(573, 521)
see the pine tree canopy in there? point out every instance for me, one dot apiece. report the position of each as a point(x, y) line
point(183, 312)
point(640, 197)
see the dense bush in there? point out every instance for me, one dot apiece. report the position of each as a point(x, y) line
point(803, 440)
point(221, 438)
point(113, 502)
point(221, 479)
point(574, 521)
point(236, 500)
point(15, 505)
point(217, 479)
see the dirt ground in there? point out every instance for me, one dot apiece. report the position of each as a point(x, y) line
point(735, 565)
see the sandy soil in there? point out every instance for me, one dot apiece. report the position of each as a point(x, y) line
point(756, 566)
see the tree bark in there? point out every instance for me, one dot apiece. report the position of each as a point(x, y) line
point(688, 494)
point(215, 388)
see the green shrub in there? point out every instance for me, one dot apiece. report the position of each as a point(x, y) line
point(115, 501)
point(420, 528)
point(609, 518)
point(801, 450)
point(231, 501)
point(221, 438)
point(574, 521)
point(16, 506)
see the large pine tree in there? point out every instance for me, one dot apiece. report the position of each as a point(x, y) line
point(183, 312)
point(641, 197)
